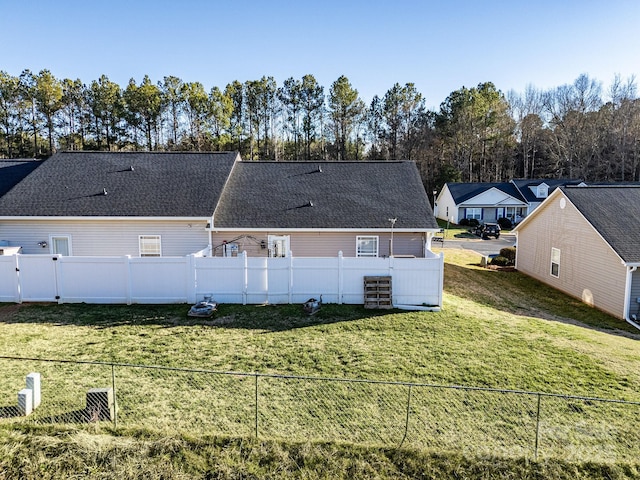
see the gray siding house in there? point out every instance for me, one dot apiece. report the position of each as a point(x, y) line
point(214, 204)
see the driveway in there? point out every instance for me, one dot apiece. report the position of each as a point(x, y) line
point(489, 246)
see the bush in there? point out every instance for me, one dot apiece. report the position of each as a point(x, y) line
point(464, 222)
point(473, 222)
point(509, 253)
point(500, 261)
point(505, 223)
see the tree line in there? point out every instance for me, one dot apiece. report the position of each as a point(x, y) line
point(478, 134)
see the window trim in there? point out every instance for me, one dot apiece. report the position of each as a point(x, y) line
point(143, 251)
point(271, 243)
point(542, 191)
point(52, 239)
point(473, 209)
point(367, 238)
point(555, 262)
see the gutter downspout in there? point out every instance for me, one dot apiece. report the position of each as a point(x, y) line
point(627, 298)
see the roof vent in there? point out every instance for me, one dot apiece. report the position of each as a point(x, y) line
point(131, 168)
point(104, 191)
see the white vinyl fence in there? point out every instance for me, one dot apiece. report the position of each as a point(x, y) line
point(242, 279)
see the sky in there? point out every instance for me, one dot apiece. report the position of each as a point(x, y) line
point(438, 45)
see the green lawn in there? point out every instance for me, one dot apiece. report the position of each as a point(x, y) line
point(496, 329)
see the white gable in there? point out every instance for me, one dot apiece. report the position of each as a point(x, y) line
point(493, 196)
point(540, 191)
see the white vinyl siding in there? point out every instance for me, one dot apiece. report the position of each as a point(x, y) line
point(367, 246)
point(108, 237)
point(150, 246)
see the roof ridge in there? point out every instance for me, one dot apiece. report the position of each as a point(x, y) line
point(130, 152)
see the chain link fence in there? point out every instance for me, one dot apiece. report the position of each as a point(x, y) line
point(454, 418)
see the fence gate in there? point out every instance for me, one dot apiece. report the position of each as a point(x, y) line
point(38, 278)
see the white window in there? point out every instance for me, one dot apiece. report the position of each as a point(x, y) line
point(474, 213)
point(542, 191)
point(555, 262)
point(367, 246)
point(150, 245)
point(60, 244)
point(278, 245)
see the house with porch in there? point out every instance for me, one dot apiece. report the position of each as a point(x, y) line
point(488, 202)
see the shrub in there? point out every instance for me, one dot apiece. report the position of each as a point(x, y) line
point(473, 222)
point(509, 253)
point(500, 261)
point(505, 223)
point(464, 222)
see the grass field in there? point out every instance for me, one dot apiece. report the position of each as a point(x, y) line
point(496, 329)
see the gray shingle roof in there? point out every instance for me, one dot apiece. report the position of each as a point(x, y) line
point(163, 184)
point(461, 192)
point(12, 171)
point(342, 195)
point(614, 211)
point(524, 186)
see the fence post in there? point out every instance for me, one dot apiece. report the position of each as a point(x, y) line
point(192, 279)
point(535, 454)
point(340, 277)
point(245, 280)
point(406, 422)
point(115, 396)
point(17, 285)
point(256, 400)
point(127, 266)
point(290, 286)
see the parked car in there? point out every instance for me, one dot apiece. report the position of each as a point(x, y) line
point(487, 230)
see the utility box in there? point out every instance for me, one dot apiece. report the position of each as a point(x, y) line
point(100, 405)
point(33, 383)
point(25, 399)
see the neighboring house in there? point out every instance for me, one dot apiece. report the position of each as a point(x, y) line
point(485, 202)
point(536, 191)
point(11, 173)
point(103, 203)
point(319, 209)
point(488, 202)
point(585, 241)
point(175, 204)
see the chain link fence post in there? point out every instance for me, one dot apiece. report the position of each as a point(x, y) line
point(256, 400)
point(115, 396)
point(406, 423)
point(535, 454)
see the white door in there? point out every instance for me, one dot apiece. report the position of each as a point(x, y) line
point(278, 245)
